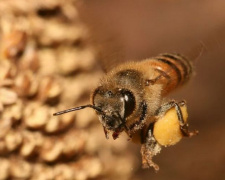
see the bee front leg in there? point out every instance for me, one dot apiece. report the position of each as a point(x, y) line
point(183, 125)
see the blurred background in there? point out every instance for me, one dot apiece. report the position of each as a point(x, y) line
point(52, 54)
point(145, 28)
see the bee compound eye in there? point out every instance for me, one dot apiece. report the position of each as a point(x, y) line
point(129, 102)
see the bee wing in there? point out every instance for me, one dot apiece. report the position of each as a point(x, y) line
point(110, 54)
point(210, 42)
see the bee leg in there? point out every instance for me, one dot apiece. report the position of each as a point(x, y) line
point(106, 133)
point(149, 82)
point(149, 149)
point(147, 159)
point(183, 126)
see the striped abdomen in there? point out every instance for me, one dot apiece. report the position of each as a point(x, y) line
point(173, 70)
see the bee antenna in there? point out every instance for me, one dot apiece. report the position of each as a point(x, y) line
point(78, 108)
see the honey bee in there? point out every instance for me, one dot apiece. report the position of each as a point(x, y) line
point(131, 98)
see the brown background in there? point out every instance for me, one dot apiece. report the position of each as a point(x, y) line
point(144, 28)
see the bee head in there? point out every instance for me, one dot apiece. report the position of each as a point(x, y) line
point(112, 106)
point(116, 105)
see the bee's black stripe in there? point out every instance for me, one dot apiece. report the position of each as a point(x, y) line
point(172, 66)
point(188, 63)
point(179, 60)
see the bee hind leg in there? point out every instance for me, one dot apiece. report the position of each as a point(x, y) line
point(183, 125)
